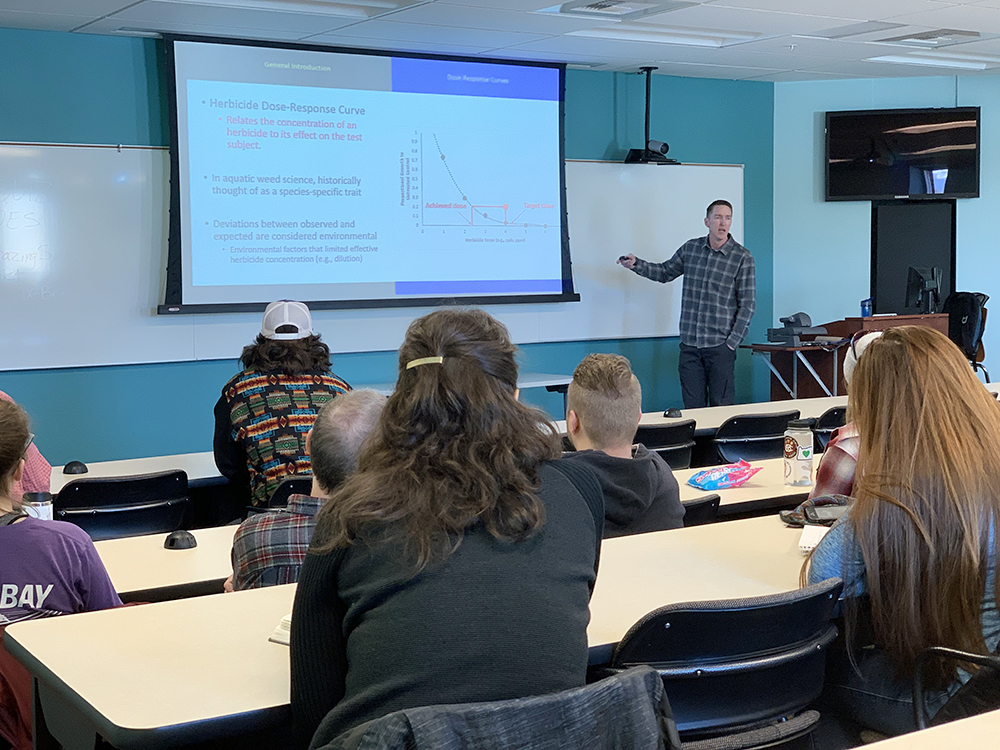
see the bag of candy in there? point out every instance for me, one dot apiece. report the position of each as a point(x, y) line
point(723, 477)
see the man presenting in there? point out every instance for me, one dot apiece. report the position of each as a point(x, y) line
point(717, 303)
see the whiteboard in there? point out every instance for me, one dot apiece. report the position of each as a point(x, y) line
point(83, 244)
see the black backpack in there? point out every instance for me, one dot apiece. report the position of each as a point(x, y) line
point(965, 322)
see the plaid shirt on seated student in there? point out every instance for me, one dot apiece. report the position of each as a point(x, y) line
point(269, 548)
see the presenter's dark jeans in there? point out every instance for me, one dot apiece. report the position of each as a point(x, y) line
point(707, 376)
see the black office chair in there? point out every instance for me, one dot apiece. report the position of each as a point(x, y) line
point(753, 437)
point(739, 673)
point(827, 422)
point(701, 511)
point(626, 710)
point(673, 442)
point(111, 507)
point(966, 325)
point(979, 695)
point(289, 487)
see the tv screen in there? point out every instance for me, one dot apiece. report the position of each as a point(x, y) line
point(347, 178)
point(902, 153)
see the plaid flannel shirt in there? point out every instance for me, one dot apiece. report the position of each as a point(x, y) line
point(719, 294)
point(269, 548)
point(835, 474)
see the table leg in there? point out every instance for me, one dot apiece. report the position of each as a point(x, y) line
point(812, 371)
point(774, 371)
point(57, 724)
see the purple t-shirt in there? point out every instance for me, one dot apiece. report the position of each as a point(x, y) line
point(50, 568)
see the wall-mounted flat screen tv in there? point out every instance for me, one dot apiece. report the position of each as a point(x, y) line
point(902, 153)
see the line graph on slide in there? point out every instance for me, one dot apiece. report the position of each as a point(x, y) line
point(463, 186)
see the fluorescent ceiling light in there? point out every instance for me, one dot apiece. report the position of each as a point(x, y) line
point(668, 35)
point(615, 10)
point(937, 62)
point(345, 8)
point(854, 29)
point(934, 127)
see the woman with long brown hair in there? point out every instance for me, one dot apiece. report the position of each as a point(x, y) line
point(918, 539)
point(457, 564)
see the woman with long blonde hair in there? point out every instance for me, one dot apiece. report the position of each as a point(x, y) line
point(456, 564)
point(918, 540)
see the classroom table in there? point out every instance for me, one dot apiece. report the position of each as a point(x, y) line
point(142, 570)
point(162, 674)
point(708, 419)
point(200, 469)
point(765, 490)
point(975, 733)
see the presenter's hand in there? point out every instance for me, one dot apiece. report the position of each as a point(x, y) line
point(627, 261)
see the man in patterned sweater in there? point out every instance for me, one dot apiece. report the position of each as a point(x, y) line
point(269, 548)
point(265, 412)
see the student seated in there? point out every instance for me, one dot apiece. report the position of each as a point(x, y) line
point(919, 538)
point(835, 473)
point(37, 471)
point(46, 568)
point(456, 565)
point(269, 548)
point(604, 405)
point(265, 412)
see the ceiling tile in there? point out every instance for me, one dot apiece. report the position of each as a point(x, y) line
point(708, 71)
point(450, 14)
point(738, 19)
point(14, 19)
point(965, 17)
point(798, 75)
point(415, 32)
point(834, 49)
point(113, 24)
point(88, 8)
point(393, 45)
point(858, 10)
point(238, 19)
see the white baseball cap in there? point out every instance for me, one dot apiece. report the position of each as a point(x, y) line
point(854, 352)
point(286, 313)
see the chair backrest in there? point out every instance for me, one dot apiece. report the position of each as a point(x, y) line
point(753, 436)
point(110, 507)
point(674, 442)
point(966, 321)
point(733, 663)
point(827, 422)
point(979, 695)
point(629, 710)
point(289, 487)
point(701, 511)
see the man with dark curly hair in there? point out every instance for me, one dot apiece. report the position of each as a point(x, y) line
point(266, 411)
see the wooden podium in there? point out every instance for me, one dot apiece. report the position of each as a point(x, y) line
point(812, 371)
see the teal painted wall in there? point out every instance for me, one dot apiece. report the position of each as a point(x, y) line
point(822, 251)
point(76, 88)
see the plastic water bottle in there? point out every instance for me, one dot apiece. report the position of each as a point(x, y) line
point(866, 308)
point(798, 453)
point(37, 505)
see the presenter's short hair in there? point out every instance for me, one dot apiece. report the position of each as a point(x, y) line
point(340, 430)
point(607, 398)
point(713, 204)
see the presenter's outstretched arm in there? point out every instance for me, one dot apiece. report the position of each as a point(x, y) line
point(627, 261)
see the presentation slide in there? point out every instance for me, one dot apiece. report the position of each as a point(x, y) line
point(350, 177)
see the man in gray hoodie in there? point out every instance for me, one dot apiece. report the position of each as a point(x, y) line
point(604, 405)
